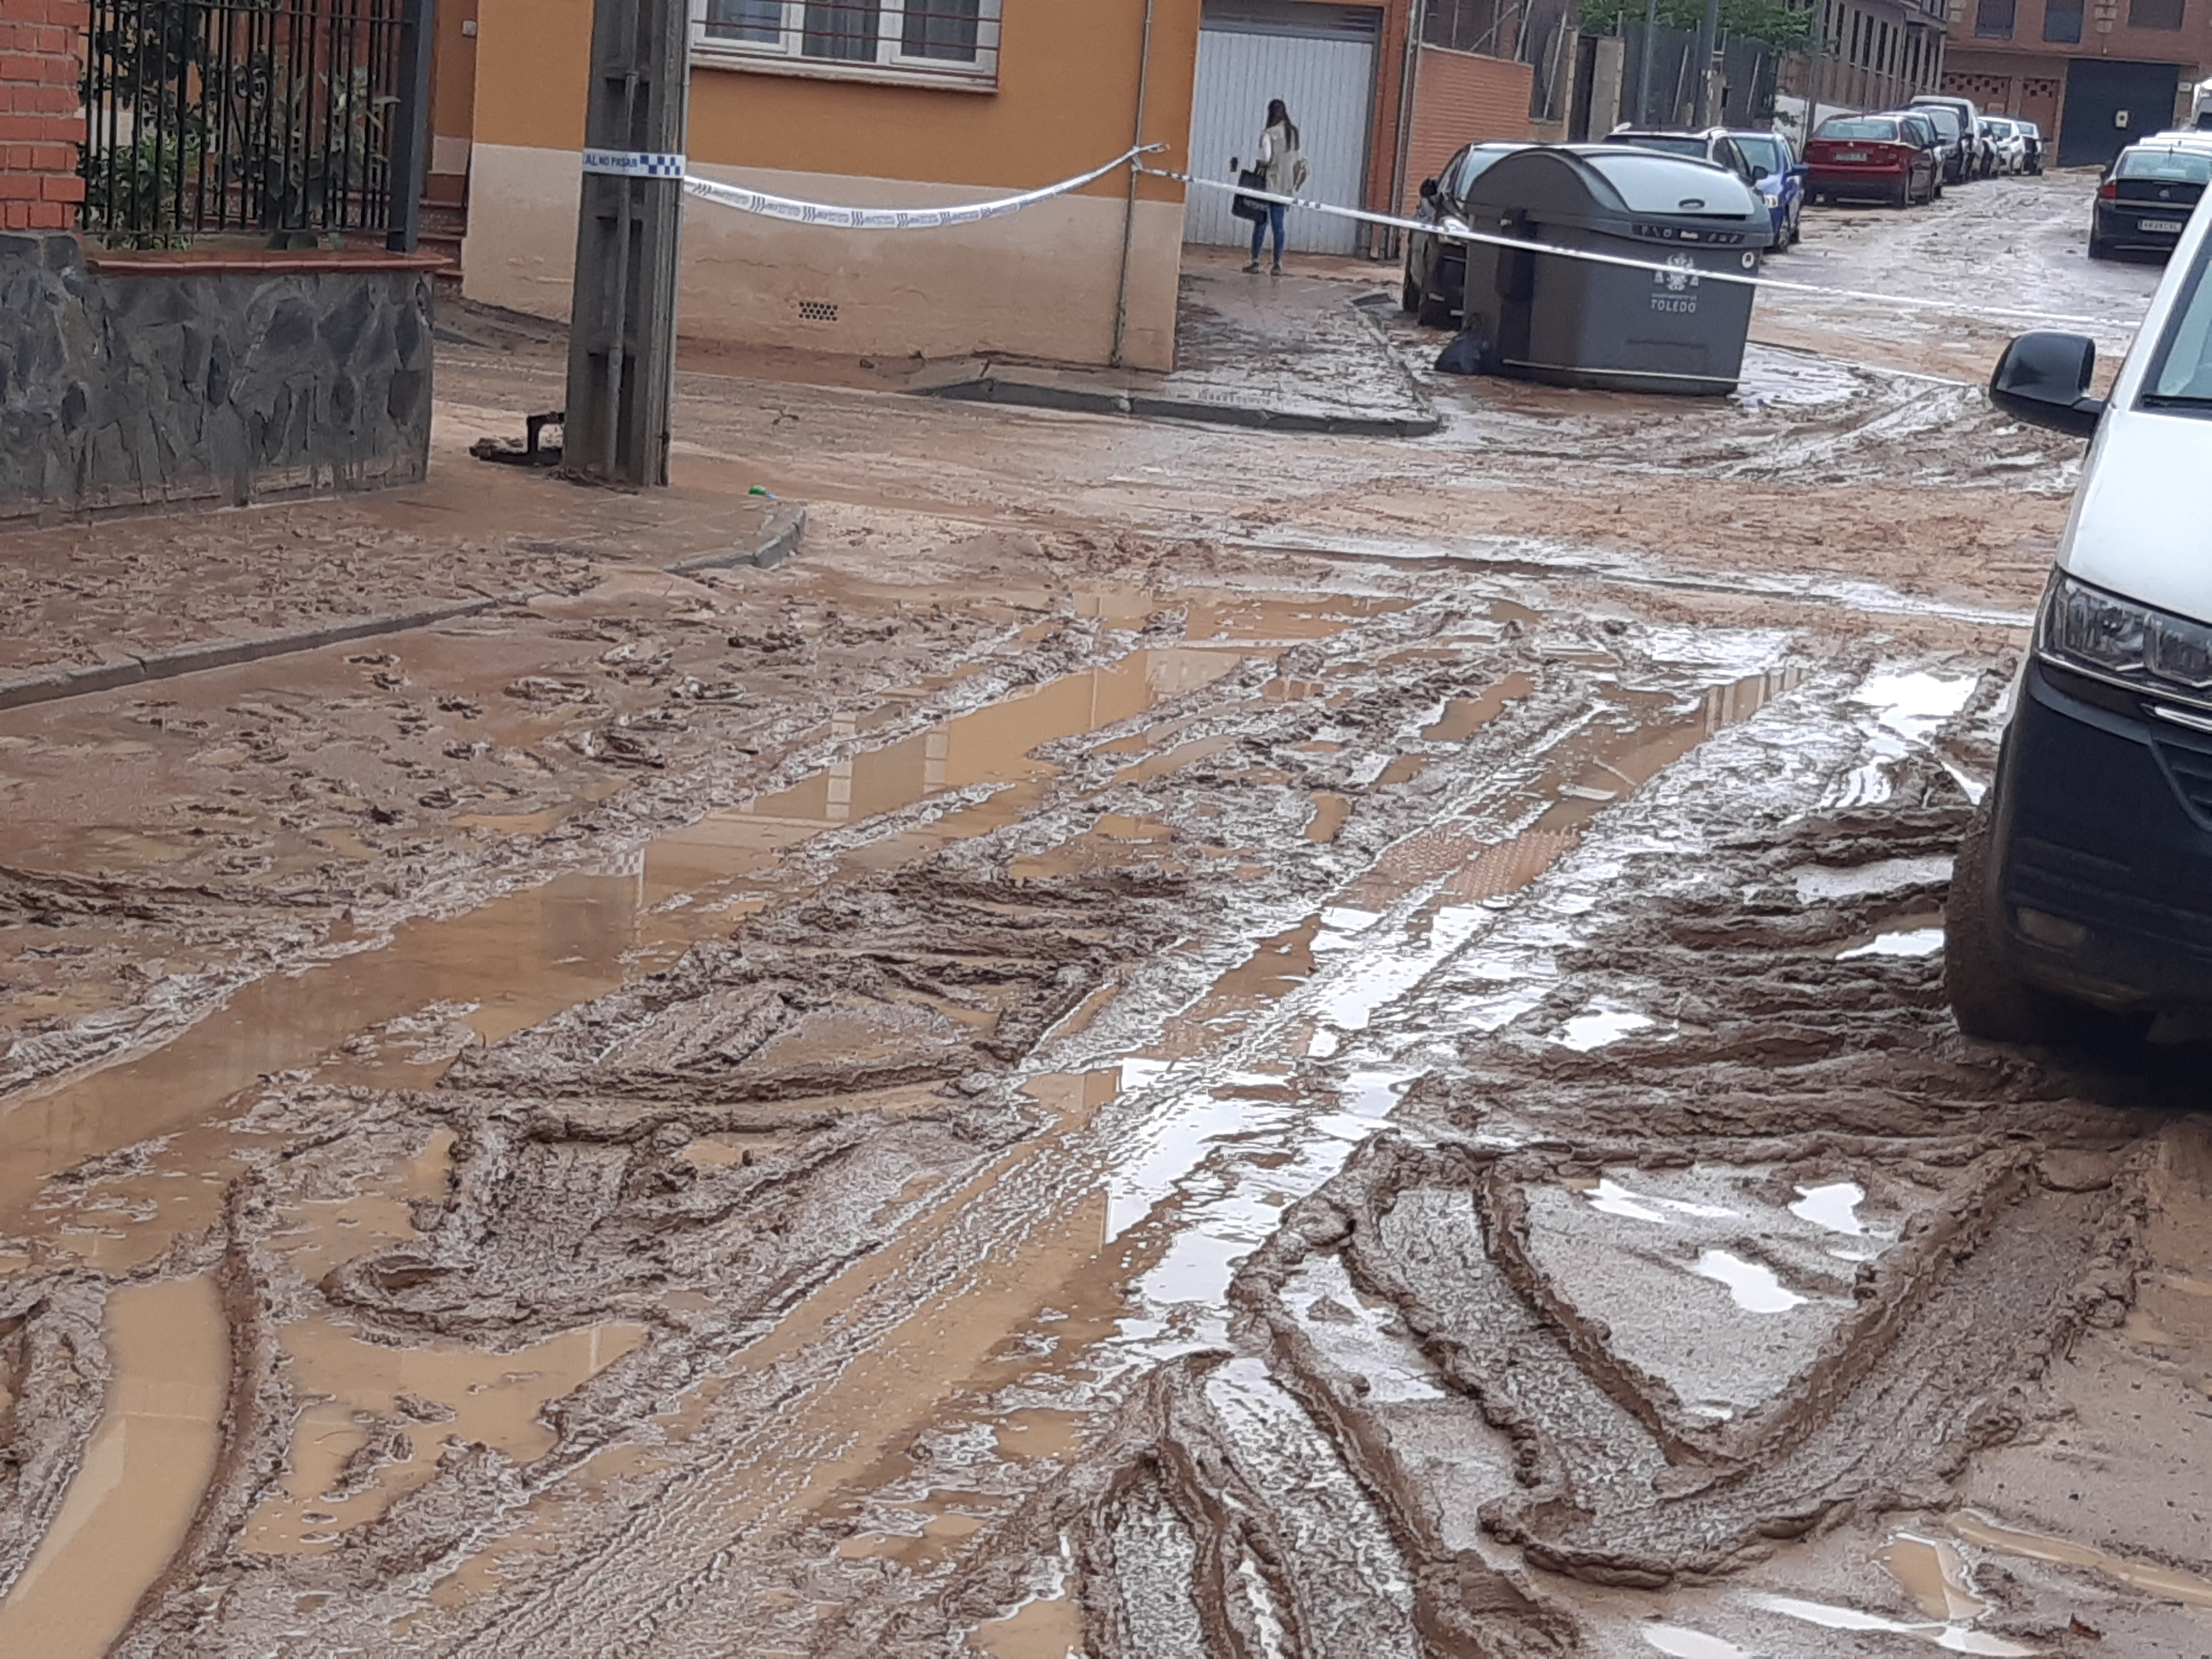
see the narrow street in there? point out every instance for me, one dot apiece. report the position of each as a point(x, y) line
point(1173, 1043)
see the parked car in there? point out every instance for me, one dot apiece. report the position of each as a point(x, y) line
point(1779, 178)
point(1869, 158)
point(1957, 149)
point(1929, 137)
point(1436, 266)
point(2084, 881)
point(1714, 144)
point(2149, 194)
point(2010, 143)
point(2034, 134)
point(1980, 154)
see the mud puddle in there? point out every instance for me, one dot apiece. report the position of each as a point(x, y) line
point(142, 1477)
point(1137, 1216)
point(1431, 1390)
point(1114, 1239)
point(374, 1422)
point(513, 963)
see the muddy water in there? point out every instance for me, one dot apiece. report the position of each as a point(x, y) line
point(2168, 1584)
point(377, 1418)
point(1935, 1574)
point(142, 1477)
point(382, 1415)
point(523, 958)
point(881, 1436)
point(1082, 1241)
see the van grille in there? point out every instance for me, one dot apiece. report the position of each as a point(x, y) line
point(2191, 772)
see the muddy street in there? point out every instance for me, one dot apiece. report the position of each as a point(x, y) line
point(1175, 1042)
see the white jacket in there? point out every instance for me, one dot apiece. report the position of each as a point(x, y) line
point(1283, 162)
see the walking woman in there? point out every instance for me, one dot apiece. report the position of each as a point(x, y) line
point(1282, 159)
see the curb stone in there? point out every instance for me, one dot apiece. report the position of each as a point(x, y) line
point(781, 542)
point(991, 389)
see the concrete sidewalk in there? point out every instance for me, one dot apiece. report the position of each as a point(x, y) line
point(1291, 353)
point(88, 607)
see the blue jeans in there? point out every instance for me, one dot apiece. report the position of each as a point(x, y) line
point(1260, 232)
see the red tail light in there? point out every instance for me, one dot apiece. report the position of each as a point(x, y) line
point(2110, 190)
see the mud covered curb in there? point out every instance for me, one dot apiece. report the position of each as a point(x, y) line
point(1096, 400)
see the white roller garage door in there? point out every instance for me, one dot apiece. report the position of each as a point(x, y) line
point(1320, 60)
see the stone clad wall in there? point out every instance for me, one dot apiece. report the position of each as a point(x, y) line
point(148, 382)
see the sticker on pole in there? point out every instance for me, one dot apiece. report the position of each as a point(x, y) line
point(633, 164)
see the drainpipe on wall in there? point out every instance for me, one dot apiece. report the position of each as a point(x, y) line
point(1408, 73)
point(1129, 213)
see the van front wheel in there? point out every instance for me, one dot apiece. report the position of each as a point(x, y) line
point(1988, 998)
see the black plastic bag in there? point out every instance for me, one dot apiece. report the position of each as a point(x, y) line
point(1245, 207)
point(1468, 353)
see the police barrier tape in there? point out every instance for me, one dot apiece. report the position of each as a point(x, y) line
point(851, 218)
point(1429, 228)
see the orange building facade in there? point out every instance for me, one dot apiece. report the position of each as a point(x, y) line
point(928, 103)
point(954, 103)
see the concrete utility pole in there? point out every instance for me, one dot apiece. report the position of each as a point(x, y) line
point(622, 331)
point(1643, 63)
point(1708, 32)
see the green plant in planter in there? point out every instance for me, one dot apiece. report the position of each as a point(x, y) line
point(299, 186)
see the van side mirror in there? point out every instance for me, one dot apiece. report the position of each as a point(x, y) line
point(2044, 378)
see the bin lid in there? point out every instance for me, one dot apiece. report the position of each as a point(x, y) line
point(1640, 193)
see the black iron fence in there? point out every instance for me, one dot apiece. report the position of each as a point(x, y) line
point(1659, 78)
point(300, 120)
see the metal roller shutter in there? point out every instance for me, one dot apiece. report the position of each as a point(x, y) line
point(1320, 60)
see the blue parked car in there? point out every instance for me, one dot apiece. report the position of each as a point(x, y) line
point(1780, 181)
point(1763, 160)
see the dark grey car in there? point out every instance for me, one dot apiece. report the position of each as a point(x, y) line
point(1436, 266)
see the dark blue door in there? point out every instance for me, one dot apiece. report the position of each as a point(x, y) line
point(2110, 104)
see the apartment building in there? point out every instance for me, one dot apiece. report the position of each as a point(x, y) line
point(2094, 73)
point(1881, 52)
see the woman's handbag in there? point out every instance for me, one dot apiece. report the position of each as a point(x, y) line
point(1244, 206)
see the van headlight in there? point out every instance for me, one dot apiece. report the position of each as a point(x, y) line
point(2117, 639)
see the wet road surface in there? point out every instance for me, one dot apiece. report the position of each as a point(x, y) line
point(1178, 1043)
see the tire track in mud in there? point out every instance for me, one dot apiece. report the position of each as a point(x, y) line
point(1488, 1395)
point(709, 1073)
point(1243, 1505)
point(707, 741)
point(1004, 1226)
point(1619, 1486)
point(1015, 1208)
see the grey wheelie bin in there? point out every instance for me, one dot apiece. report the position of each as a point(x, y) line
point(1574, 322)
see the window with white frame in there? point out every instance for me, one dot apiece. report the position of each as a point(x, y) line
point(955, 39)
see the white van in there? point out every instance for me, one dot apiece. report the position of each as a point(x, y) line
point(2085, 882)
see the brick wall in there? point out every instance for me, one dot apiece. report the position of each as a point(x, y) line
point(1458, 97)
point(41, 112)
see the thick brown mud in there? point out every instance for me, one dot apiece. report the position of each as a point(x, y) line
point(1168, 1049)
